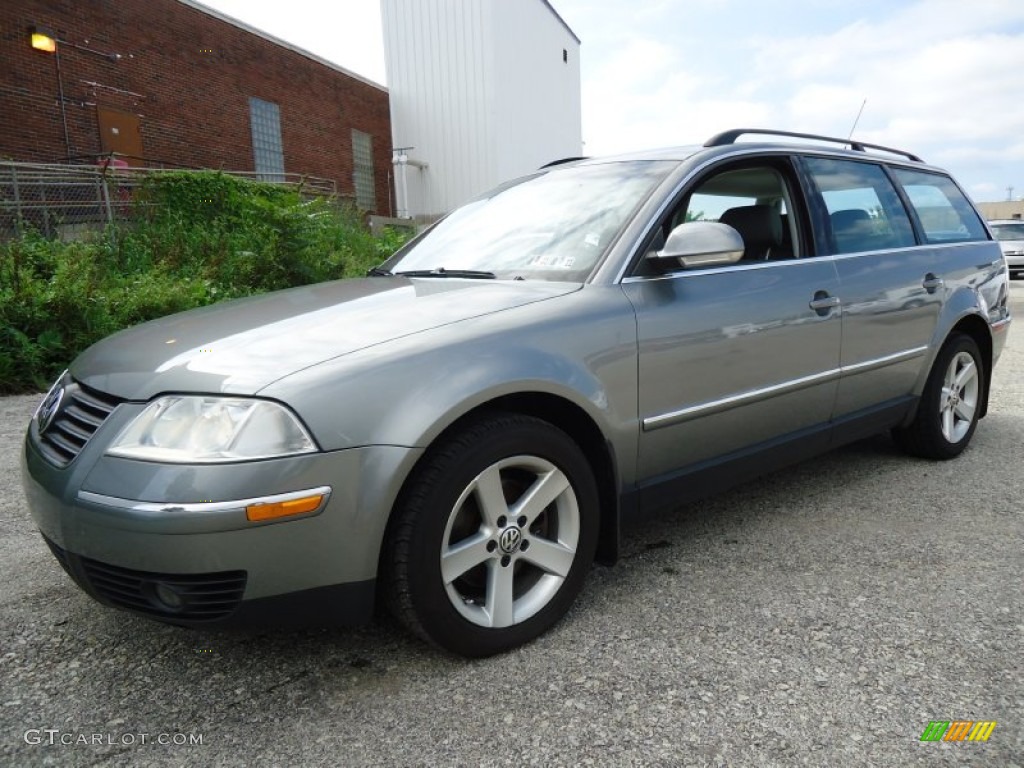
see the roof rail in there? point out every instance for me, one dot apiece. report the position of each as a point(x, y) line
point(729, 137)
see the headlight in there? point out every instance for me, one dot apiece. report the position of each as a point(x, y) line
point(194, 429)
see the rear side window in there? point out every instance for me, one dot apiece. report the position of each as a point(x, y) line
point(942, 209)
point(865, 212)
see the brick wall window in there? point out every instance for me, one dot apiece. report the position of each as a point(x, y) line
point(268, 154)
point(362, 170)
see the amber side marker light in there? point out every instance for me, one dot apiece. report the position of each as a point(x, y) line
point(278, 509)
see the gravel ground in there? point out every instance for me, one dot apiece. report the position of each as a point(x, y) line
point(819, 617)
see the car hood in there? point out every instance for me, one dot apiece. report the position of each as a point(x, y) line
point(242, 346)
point(1012, 246)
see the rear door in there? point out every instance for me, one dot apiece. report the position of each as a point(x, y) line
point(894, 278)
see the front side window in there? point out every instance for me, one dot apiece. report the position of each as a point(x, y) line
point(942, 209)
point(555, 225)
point(755, 201)
point(865, 212)
point(268, 154)
point(757, 198)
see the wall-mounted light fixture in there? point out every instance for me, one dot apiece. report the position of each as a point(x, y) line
point(44, 39)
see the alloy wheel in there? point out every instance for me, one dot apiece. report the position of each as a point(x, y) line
point(510, 541)
point(959, 398)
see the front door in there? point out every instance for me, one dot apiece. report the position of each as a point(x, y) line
point(733, 358)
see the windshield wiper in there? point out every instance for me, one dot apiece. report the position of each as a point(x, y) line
point(442, 272)
point(379, 272)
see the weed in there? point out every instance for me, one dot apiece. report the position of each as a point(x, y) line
point(195, 237)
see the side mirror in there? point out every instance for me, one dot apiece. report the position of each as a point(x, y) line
point(701, 244)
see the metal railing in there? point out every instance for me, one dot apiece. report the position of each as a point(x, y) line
point(63, 200)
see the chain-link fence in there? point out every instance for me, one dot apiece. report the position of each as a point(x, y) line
point(65, 200)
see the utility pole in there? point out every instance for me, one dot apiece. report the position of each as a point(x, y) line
point(1009, 192)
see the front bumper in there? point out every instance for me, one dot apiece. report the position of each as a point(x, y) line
point(217, 599)
point(173, 542)
point(1015, 261)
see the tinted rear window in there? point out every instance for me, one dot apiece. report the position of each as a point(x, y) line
point(945, 214)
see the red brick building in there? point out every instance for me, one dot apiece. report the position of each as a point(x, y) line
point(172, 82)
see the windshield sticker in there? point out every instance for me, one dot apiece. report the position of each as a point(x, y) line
point(552, 261)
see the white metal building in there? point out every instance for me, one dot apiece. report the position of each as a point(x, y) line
point(481, 91)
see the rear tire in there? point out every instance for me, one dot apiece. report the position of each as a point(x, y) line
point(493, 536)
point(947, 414)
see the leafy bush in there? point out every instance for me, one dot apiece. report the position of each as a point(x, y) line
point(196, 238)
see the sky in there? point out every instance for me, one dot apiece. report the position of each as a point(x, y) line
point(941, 78)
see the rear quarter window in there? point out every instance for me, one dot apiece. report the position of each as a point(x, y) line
point(945, 214)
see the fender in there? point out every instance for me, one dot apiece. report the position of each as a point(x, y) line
point(580, 347)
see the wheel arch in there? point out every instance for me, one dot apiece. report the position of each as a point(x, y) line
point(963, 312)
point(597, 449)
point(974, 326)
point(579, 426)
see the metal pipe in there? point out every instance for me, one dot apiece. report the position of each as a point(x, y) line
point(401, 162)
point(60, 93)
point(105, 192)
point(112, 56)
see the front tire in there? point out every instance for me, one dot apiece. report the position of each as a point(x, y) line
point(950, 403)
point(493, 536)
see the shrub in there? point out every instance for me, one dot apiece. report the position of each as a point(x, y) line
point(195, 238)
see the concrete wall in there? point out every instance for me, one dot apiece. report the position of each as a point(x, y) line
point(439, 62)
point(481, 91)
point(537, 71)
point(1004, 210)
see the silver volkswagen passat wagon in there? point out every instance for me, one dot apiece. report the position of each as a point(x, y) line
point(459, 435)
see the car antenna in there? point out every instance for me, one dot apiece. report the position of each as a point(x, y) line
point(857, 119)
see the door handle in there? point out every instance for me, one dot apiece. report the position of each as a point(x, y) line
point(823, 304)
point(931, 283)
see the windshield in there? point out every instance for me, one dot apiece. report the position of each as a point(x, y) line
point(1008, 231)
point(551, 226)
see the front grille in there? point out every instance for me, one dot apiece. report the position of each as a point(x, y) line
point(203, 596)
point(81, 412)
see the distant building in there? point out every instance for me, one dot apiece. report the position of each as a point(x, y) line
point(1008, 209)
point(481, 92)
point(174, 82)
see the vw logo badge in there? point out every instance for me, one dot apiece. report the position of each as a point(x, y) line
point(49, 408)
point(510, 540)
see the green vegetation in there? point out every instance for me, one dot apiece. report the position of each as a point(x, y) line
point(196, 238)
